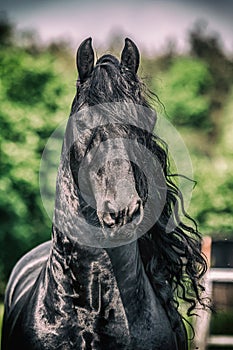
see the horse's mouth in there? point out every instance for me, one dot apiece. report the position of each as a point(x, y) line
point(114, 224)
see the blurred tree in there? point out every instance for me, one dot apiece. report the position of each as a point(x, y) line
point(207, 46)
point(33, 98)
point(6, 30)
point(196, 90)
point(185, 92)
point(212, 202)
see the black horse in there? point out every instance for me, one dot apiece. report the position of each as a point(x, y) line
point(120, 258)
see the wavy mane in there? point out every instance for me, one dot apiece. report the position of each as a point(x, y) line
point(172, 258)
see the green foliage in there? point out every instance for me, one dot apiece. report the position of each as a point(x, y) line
point(212, 202)
point(207, 46)
point(196, 93)
point(33, 102)
point(184, 92)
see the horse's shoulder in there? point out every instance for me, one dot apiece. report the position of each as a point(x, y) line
point(25, 273)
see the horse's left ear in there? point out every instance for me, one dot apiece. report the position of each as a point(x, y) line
point(85, 59)
point(130, 56)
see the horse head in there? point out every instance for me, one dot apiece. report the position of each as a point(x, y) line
point(109, 122)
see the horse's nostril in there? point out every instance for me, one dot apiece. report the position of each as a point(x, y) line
point(134, 206)
point(109, 207)
point(135, 211)
point(108, 220)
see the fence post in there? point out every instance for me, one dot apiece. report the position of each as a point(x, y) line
point(202, 320)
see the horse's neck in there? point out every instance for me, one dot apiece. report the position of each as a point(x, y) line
point(128, 269)
point(78, 262)
point(121, 265)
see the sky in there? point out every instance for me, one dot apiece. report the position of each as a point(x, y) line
point(150, 23)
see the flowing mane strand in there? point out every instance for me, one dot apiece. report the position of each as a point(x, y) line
point(172, 259)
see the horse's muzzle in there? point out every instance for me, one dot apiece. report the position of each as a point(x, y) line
point(113, 217)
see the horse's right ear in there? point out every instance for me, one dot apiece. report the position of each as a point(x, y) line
point(85, 60)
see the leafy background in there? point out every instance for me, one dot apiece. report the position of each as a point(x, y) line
point(36, 89)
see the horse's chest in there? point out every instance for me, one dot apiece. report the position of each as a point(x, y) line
point(116, 318)
point(109, 324)
point(101, 317)
point(149, 326)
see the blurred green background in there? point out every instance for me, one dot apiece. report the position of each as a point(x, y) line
point(36, 90)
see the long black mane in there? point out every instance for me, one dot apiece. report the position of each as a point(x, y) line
point(110, 83)
point(172, 257)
